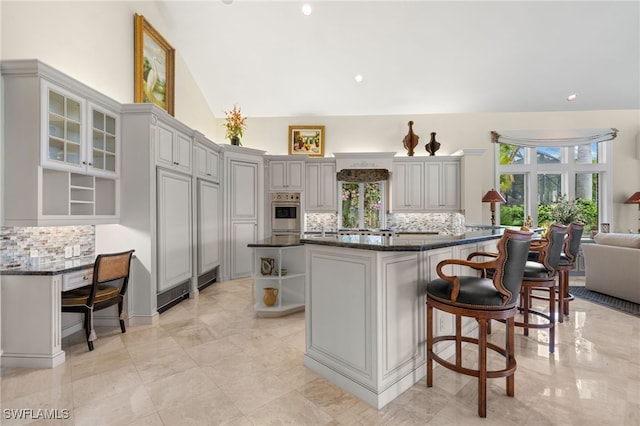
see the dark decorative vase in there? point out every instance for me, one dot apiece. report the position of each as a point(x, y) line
point(235, 141)
point(410, 141)
point(433, 145)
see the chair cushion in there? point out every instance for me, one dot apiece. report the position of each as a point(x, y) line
point(474, 291)
point(535, 270)
point(80, 296)
point(618, 239)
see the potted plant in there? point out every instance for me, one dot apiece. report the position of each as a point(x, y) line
point(565, 211)
point(235, 125)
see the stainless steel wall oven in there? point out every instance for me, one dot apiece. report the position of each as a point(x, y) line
point(285, 213)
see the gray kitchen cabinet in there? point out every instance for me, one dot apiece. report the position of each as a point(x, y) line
point(243, 207)
point(207, 160)
point(442, 188)
point(407, 186)
point(64, 170)
point(158, 210)
point(421, 184)
point(320, 186)
point(174, 217)
point(286, 175)
point(209, 223)
point(173, 148)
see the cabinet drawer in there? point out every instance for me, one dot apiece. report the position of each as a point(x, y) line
point(77, 279)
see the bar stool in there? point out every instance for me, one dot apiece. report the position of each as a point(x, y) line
point(568, 263)
point(483, 299)
point(541, 275)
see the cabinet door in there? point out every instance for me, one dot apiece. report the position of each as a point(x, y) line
point(182, 152)
point(242, 234)
point(63, 123)
point(443, 185)
point(201, 166)
point(295, 175)
point(312, 193)
point(208, 226)
point(174, 229)
point(164, 145)
point(320, 187)
point(433, 185)
point(277, 175)
point(450, 184)
point(104, 142)
point(213, 165)
point(328, 187)
point(407, 186)
point(244, 187)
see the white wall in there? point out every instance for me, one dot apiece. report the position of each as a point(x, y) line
point(93, 42)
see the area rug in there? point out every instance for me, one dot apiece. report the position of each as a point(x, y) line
point(606, 300)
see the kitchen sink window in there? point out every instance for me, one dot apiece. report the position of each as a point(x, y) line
point(362, 205)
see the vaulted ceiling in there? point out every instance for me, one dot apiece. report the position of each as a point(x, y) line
point(415, 57)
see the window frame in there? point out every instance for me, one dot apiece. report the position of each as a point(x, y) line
point(568, 169)
point(383, 202)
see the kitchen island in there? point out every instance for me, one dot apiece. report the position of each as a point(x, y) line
point(365, 307)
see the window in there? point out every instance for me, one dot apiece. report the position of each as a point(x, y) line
point(362, 205)
point(532, 178)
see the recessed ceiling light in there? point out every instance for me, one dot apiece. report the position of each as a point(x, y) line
point(227, 1)
point(306, 9)
point(358, 78)
point(572, 97)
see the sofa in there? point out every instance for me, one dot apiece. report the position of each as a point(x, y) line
point(612, 265)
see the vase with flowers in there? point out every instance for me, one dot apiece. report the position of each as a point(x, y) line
point(235, 125)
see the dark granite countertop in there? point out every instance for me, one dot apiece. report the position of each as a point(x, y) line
point(52, 268)
point(278, 241)
point(411, 241)
point(417, 242)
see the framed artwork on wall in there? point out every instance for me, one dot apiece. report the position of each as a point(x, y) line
point(153, 66)
point(306, 140)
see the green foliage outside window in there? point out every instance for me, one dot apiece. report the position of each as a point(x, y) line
point(351, 193)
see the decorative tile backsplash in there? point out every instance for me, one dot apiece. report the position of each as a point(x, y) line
point(450, 223)
point(17, 243)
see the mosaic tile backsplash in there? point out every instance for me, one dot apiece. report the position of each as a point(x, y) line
point(450, 223)
point(16, 243)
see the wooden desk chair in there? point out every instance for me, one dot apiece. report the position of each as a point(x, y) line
point(568, 263)
point(110, 280)
point(483, 299)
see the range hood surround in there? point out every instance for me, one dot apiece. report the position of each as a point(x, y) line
point(364, 160)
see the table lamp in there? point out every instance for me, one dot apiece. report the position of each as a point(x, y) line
point(493, 197)
point(635, 199)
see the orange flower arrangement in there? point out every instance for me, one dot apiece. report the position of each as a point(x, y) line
point(235, 123)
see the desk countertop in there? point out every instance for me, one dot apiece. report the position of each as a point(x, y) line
point(52, 268)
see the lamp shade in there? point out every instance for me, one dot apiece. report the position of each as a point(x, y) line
point(493, 196)
point(634, 199)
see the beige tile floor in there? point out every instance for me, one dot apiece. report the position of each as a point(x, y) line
point(210, 361)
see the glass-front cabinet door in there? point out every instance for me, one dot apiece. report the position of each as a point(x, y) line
point(64, 129)
point(79, 136)
point(104, 130)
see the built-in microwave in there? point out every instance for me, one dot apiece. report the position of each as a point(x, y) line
point(285, 212)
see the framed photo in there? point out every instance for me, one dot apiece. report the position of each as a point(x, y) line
point(153, 66)
point(306, 140)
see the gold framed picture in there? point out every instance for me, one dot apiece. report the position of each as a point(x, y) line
point(154, 62)
point(306, 140)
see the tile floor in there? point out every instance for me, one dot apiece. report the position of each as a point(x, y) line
point(212, 362)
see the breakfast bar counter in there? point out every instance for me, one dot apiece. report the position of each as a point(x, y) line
point(365, 307)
